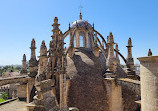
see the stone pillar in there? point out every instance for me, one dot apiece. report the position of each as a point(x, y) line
point(117, 56)
point(24, 68)
point(114, 94)
point(87, 40)
point(149, 83)
point(77, 39)
point(130, 61)
point(111, 60)
point(96, 48)
point(33, 64)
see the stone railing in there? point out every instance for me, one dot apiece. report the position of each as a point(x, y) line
point(133, 85)
point(11, 80)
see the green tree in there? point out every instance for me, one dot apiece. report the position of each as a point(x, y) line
point(4, 95)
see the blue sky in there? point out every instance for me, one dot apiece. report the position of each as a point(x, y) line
point(22, 20)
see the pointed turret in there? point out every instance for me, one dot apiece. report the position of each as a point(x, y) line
point(55, 28)
point(149, 52)
point(43, 59)
point(43, 49)
point(130, 60)
point(33, 47)
point(24, 68)
point(111, 60)
point(33, 64)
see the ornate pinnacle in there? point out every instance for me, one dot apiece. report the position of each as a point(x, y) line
point(110, 38)
point(129, 43)
point(149, 52)
point(55, 27)
point(24, 57)
point(43, 49)
point(33, 44)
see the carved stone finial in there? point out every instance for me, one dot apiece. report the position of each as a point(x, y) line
point(24, 68)
point(149, 52)
point(55, 28)
point(24, 57)
point(33, 44)
point(43, 49)
point(56, 20)
point(110, 38)
point(129, 42)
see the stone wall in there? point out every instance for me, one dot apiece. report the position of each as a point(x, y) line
point(149, 83)
point(122, 94)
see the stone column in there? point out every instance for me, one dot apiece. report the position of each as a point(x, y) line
point(96, 48)
point(117, 56)
point(33, 64)
point(24, 68)
point(130, 61)
point(149, 83)
point(87, 40)
point(111, 60)
point(77, 39)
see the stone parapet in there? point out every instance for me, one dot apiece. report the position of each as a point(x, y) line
point(149, 83)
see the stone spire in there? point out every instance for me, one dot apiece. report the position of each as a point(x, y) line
point(149, 52)
point(43, 49)
point(24, 68)
point(111, 60)
point(33, 47)
point(130, 61)
point(117, 57)
point(33, 63)
point(55, 28)
point(43, 59)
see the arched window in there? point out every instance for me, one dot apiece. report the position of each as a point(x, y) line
point(82, 39)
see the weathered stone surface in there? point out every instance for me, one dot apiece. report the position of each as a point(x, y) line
point(86, 90)
point(149, 83)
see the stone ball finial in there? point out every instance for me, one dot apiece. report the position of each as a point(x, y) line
point(149, 52)
point(24, 57)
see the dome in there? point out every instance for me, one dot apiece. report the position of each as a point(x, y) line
point(81, 23)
